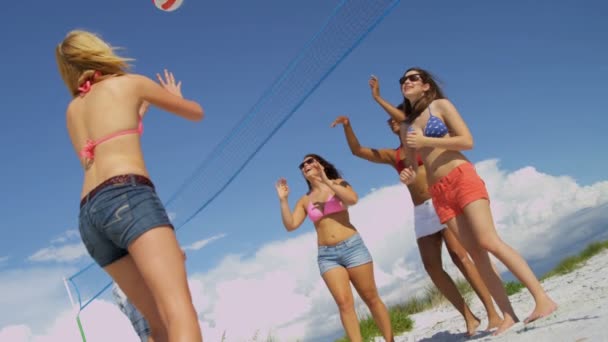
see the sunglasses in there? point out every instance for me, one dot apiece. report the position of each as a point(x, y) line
point(412, 78)
point(306, 162)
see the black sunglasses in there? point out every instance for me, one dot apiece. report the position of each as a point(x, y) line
point(412, 78)
point(306, 162)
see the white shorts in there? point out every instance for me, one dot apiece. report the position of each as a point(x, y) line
point(426, 221)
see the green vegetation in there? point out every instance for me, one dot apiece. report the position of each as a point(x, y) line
point(565, 266)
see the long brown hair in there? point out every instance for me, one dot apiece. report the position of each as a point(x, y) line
point(412, 111)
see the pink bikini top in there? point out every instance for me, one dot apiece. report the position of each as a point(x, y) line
point(88, 150)
point(317, 212)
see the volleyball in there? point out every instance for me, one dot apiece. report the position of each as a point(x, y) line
point(167, 5)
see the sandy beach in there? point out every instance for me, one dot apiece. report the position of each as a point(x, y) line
point(582, 315)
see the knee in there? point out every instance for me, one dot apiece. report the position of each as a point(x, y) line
point(490, 244)
point(176, 310)
point(457, 258)
point(433, 268)
point(345, 304)
point(371, 298)
point(460, 259)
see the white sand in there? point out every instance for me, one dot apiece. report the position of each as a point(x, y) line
point(582, 315)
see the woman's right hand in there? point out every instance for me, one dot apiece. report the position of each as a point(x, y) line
point(282, 188)
point(374, 85)
point(169, 83)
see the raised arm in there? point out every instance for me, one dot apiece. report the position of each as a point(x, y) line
point(393, 111)
point(382, 156)
point(168, 96)
point(291, 220)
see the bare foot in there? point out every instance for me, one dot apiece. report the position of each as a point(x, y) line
point(543, 309)
point(494, 322)
point(507, 323)
point(472, 326)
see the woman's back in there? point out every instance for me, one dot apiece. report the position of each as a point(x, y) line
point(110, 107)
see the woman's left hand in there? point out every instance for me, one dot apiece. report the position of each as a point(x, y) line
point(407, 176)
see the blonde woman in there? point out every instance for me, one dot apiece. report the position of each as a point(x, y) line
point(122, 222)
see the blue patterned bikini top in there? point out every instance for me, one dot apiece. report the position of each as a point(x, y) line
point(435, 127)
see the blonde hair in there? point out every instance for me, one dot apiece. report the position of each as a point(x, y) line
point(81, 54)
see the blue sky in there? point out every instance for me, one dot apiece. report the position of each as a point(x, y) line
point(528, 77)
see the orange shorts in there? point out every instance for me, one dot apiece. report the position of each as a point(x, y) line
point(457, 189)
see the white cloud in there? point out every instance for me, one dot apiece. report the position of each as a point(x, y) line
point(68, 235)
point(114, 326)
point(65, 253)
point(32, 296)
point(279, 290)
point(60, 250)
point(195, 246)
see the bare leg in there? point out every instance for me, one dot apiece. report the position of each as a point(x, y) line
point(362, 278)
point(430, 252)
point(161, 264)
point(460, 228)
point(338, 283)
point(127, 276)
point(461, 259)
point(481, 223)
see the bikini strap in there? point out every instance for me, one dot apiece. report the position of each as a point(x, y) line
point(85, 87)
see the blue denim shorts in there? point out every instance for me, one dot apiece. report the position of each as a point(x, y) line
point(347, 253)
point(118, 213)
point(139, 323)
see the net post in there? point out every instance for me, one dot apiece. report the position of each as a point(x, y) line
point(76, 311)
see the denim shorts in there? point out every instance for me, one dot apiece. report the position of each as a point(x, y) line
point(139, 323)
point(117, 214)
point(347, 253)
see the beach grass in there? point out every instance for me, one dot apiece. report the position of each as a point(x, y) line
point(565, 266)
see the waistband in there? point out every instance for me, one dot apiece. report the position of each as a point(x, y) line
point(344, 243)
point(116, 180)
point(428, 202)
point(455, 172)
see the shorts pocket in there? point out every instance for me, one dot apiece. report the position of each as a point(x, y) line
point(112, 212)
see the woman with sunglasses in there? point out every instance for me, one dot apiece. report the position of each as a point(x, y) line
point(343, 257)
point(436, 130)
point(430, 233)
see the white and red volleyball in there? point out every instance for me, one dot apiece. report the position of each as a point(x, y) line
point(167, 5)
